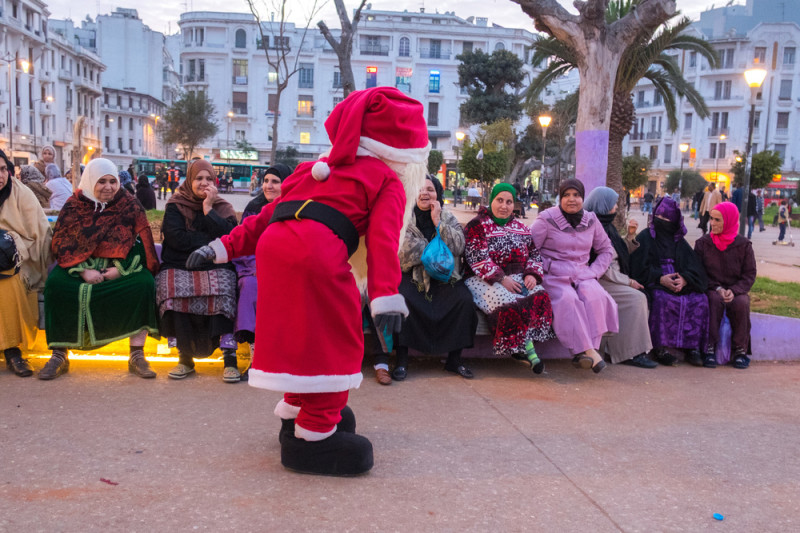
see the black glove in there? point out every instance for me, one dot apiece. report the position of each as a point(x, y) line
point(388, 322)
point(200, 258)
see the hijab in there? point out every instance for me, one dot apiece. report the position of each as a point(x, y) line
point(667, 233)
point(142, 182)
point(125, 178)
point(423, 217)
point(600, 202)
point(572, 218)
point(730, 225)
point(5, 192)
point(189, 204)
point(30, 174)
point(497, 189)
point(258, 203)
point(96, 169)
point(34, 180)
point(51, 171)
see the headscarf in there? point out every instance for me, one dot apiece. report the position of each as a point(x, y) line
point(189, 204)
point(257, 204)
point(572, 218)
point(730, 225)
point(600, 201)
point(51, 171)
point(34, 180)
point(438, 186)
point(423, 217)
point(667, 233)
point(30, 174)
point(5, 192)
point(497, 189)
point(96, 169)
point(125, 178)
point(45, 147)
point(142, 182)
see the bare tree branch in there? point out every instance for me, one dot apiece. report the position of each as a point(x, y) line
point(344, 46)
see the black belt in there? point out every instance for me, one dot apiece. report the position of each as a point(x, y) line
point(324, 214)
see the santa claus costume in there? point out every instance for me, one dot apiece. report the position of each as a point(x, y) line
point(353, 204)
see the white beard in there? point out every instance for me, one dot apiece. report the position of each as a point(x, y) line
point(412, 176)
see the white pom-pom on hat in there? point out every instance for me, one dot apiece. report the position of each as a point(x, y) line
point(321, 171)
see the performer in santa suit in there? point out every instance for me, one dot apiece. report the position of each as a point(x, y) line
point(353, 204)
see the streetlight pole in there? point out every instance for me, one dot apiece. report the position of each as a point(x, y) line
point(716, 159)
point(683, 148)
point(755, 77)
point(544, 122)
point(459, 138)
point(155, 132)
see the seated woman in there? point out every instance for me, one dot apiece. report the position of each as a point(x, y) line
point(24, 257)
point(34, 180)
point(145, 193)
point(58, 185)
point(675, 281)
point(245, 326)
point(441, 316)
point(505, 279)
point(631, 345)
point(566, 235)
point(106, 262)
point(730, 265)
point(198, 307)
point(126, 181)
point(47, 156)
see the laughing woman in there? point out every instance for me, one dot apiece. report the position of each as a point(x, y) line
point(198, 307)
point(106, 261)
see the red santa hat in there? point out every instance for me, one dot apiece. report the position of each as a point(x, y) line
point(383, 121)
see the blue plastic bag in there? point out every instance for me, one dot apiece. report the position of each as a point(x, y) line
point(438, 259)
point(724, 344)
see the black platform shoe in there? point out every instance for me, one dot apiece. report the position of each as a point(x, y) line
point(341, 454)
point(346, 424)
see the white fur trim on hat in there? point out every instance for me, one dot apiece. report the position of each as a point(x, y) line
point(389, 304)
point(220, 253)
point(286, 411)
point(398, 155)
point(312, 436)
point(303, 384)
point(321, 171)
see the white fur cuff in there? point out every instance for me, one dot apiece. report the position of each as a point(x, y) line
point(286, 411)
point(389, 304)
point(312, 436)
point(221, 254)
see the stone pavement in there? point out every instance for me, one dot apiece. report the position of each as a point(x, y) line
point(627, 450)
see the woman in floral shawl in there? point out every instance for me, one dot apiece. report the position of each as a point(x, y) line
point(102, 289)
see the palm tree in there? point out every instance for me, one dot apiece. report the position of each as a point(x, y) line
point(646, 59)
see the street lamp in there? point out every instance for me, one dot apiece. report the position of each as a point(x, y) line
point(683, 147)
point(544, 122)
point(754, 77)
point(716, 159)
point(155, 131)
point(49, 100)
point(460, 138)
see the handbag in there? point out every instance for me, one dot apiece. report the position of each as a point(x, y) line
point(437, 259)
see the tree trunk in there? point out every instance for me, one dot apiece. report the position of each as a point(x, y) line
point(274, 148)
point(623, 113)
point(346, 70)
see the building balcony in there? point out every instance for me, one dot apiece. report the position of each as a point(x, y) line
point(653, 135)
point(195, 78)
point(787, 67)
point(716, 132)
point(637, 136)
point(88, 85)
point(240, 80)
point(374, 50)
point(642, 103)
point(239, 109)
point(434, 53)
point(65, 74)
point(782, 132)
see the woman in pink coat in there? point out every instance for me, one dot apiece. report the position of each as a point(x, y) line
point(576, 252)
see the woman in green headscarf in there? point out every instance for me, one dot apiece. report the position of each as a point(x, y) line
point(505, 278)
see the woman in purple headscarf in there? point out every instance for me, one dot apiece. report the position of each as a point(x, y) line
point(675, 281)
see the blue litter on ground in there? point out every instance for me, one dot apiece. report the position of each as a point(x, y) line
point(718, 516)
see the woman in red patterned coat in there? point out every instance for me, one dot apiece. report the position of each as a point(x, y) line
point(506, 279)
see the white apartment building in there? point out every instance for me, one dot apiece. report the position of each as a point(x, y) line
point(223, 55)
point(712, 141)
point(47, 84)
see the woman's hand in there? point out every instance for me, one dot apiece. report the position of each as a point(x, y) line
point(211, 196)
point(111, 273)
point(92, 277)
point(668, 281)
point(635, 284)
point(511, 285)
point(680, 282)
point(436, 212)
point(530, 282)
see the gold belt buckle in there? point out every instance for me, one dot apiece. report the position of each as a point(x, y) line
point(297, 214)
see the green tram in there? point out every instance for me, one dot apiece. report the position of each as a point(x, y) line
point(241, 172)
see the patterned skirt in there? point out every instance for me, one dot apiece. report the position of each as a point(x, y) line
point(514, 318)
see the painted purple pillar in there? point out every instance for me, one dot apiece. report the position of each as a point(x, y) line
point(591, 158)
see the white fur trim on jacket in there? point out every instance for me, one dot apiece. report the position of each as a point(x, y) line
point(312, 436)
point(303, 384)
point(220, 254)
point(389, 304)
point(286, 411)
point(398, 155)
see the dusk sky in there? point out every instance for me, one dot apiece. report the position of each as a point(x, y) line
point(163, 16)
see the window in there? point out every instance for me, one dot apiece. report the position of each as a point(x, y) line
point(240, 72)
point(281, 42)
point(108, 143)
point(433, 143)
point(717, 90)
point(637, 150)
point(782, 124)
point(337, 79)
point(667, 153)
point(785, 92)
point(727, 58)
point(241, 39)
point(105, 99)
point(337, 100)
point(402, 79)
point(433, 82)
point(436, 49)
point(657, 98)
point(499, 46)
point(305, 137)
point(405, 47)
point(433, 113)
point(781, 149)
point(693, 59)
point(788, 55)
point(721, 150)
point(107, 122)
point(119, 101)
point(130, 145)
point(653, 153)
point(640, 99)
point(305, 76)
point(755, 148)
point(119, 144)
point(305, 106)
point(272, 77)
point(687, 121)
point(130, 124)
point(467, 47)
point(760, 55)
point(756, 119)
point(201, 69)
point(272, 103)
point(372, 77)
point(239, 100)
point(726, 89)
point(239, 135)
point(712, 151)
